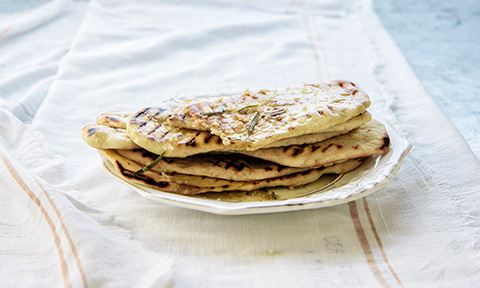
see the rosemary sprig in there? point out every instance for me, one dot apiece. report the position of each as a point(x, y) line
point(252, 124)
point(246, 107)
point(213, 113)
point(151, 165)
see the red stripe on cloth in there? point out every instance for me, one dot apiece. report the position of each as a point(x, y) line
point(320, 45)
point(63, 264)
point(367, 250)
point(308, 25)
point(6, 30)
point(379, 242)
point(67, 235)
point(290, 6)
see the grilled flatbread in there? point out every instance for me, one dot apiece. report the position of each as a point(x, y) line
point(230, 166)
point(264, 138)
point(368, 140)
point(150, 130)
point(189, 185)
point(114, 119)
point(258, 118)
point(331, 132)
point(105, 137)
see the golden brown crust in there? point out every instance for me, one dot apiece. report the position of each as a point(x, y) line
point(150, 130)
point(257, 118)
point(368, 140)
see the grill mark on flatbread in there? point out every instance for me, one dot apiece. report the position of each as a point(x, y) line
point(235, 165)
point(314, 148)
point(143, 112)
point(91, 131)
point(114, 119)
point(324, 149)
point(192, 141)
point(155, 129)
point(297, 151)
point(386, 143)
point(148, 180)
point(207, 139)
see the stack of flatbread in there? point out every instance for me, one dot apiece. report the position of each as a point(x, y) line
point(264, 138)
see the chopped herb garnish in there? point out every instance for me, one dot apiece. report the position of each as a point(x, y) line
point(252, 124)
point(214, 113)
point(246, 107)
point(151, 165)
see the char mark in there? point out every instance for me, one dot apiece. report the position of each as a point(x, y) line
point(148, 154)
point(207, 139)
point(164, 136)
point(154, 129)
point(306, 172)
point(141, 177)
point(235, 165)
point(326, 148)
point(113, 119)
point(191, 142)
point(91, 131)
point(297, 151)
point(386, 143)
point(315, 147)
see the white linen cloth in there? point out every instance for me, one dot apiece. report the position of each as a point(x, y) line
point(64, 222)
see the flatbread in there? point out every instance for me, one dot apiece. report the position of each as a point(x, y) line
point(105, 137)
point(115, 119)
point(368, 140)
point(258, 118)
point(233, 166)
point(331, 132)
point(190, 185)
point(150, 130)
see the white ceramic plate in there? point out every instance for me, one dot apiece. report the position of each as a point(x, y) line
point(329, 190)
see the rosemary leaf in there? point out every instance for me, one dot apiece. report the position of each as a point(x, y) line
point(246, 107)
point(151, 165)
point(214, 113)
point(277, 113)
point(252, 124)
